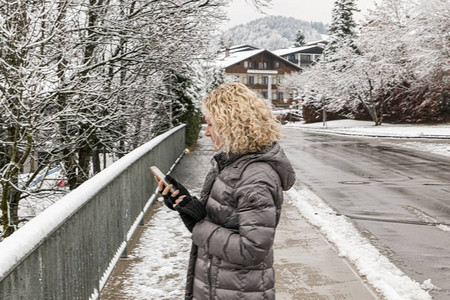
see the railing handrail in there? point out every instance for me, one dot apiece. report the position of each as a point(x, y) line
point(25, 240)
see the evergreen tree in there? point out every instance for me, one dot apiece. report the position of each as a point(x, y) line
point(299, 39)
point(343, 27)
point(186, 90)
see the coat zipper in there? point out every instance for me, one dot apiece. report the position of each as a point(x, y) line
point(210, 277)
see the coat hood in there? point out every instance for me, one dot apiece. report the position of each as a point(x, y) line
point(273, 155)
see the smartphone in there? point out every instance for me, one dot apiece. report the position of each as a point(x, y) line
point(160, 176)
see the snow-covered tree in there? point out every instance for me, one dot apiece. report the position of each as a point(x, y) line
point(343, 26)
point(299, 39)
point(398, 71)
point(25, 101)
point(80, 78)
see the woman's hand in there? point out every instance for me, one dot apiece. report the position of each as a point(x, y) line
point(170, 199)
point(179, 200)
point(190, 209)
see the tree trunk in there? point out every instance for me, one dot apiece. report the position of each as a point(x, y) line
point(84, 158)
point(10, 204)
point(96, 160)
point(4, 206)
point(70, 169)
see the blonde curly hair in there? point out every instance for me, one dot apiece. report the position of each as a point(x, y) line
point(243, 122)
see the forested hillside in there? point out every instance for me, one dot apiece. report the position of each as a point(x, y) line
point(272, 32)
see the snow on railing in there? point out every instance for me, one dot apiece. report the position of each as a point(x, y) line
point(68, 250)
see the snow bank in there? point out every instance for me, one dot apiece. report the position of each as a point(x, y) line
point(367, 128)
point(27, 238)
point(376, 268)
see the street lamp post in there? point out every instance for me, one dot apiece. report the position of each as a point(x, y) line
point(324, 112)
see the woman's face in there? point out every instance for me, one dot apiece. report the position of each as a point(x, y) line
point(210, 132)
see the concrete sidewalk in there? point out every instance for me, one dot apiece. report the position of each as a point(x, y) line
point(307, 266)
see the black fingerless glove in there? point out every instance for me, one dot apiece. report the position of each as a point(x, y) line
point(191, 211)
point(190, 208)
point(169, 201)
point(177, 186)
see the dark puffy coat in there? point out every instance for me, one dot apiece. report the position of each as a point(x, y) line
point(232, 255)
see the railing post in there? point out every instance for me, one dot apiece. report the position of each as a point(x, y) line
point(124, 253)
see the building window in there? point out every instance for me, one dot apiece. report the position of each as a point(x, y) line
point(317, 57)
point(280, 79)
point(265, 95)
point(245, 64)
point(305, 57)
point(251, 65)
point(260, 65)
point(251, 79)
point(265, 79)
point(265, 65)
point(280, 95)
point(277, 64)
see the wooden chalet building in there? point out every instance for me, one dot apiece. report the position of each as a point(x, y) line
point(256, 68)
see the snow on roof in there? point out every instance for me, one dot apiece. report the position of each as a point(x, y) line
point(281, 52)
point(242, 52)
point(324, 40)
point(236, 57)
point(243, 47)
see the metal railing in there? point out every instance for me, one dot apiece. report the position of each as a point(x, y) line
point(69, 250)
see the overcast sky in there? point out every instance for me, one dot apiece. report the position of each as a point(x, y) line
point(241, 12)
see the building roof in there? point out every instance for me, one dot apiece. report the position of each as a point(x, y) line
point(304, 49)
point(236, 57)
point(243, 52)
point(243, 47)
point(323, 41)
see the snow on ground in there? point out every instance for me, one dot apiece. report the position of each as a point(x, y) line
point(163, 252)
point(367, 128)
point(383, 275)
point(436, 148)
point(36, 203)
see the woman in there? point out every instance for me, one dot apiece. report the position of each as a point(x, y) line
point(233, 223)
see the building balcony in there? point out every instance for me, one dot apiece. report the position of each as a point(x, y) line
point(259, 86)
point(262, 71)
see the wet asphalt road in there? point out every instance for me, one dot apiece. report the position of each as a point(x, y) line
point(398, 198)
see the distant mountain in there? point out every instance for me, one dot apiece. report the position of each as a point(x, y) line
point(272, 32)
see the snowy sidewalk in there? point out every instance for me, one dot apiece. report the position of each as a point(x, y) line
point(307, 266)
